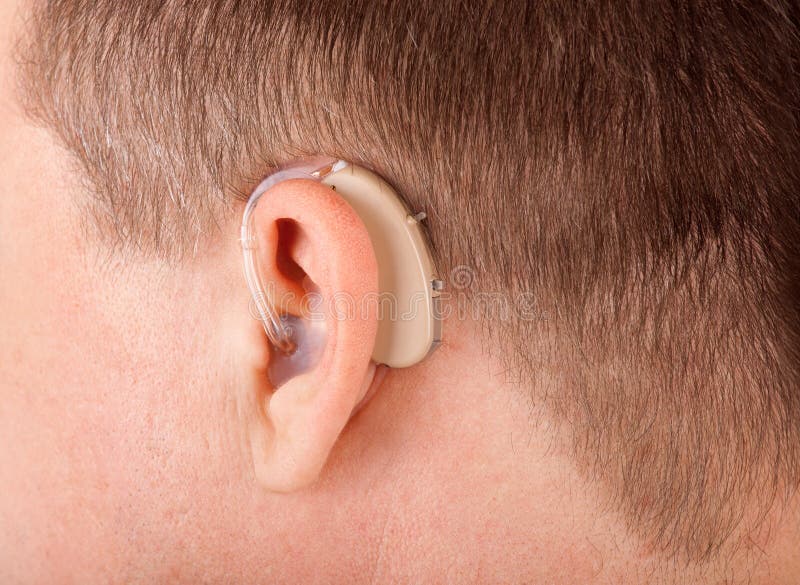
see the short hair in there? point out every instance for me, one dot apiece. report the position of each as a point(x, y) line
point(632, 166)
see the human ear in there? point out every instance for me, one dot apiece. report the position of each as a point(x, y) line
point(309, 238)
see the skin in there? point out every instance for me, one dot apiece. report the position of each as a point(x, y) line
point(140, 441)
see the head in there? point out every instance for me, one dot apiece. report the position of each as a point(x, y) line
point(612, 200)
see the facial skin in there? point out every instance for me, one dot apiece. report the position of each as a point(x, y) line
point(140, 442)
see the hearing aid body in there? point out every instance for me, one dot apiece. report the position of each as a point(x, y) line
point(409, 320)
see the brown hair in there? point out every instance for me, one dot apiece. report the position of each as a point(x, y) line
point(634, 165)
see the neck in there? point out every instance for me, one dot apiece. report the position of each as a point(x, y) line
point(514, 459)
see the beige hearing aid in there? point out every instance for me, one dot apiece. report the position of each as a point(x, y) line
point(409, 326)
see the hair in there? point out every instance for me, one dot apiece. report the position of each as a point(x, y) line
point(632, 165)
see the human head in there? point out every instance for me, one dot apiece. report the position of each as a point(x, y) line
point(629, 170)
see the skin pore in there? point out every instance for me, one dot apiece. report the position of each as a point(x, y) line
point(130, 390)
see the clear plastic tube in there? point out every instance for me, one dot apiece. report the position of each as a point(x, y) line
point(278, 333)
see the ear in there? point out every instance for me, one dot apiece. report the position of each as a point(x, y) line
point(308, 236)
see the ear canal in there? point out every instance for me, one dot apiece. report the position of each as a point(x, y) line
point(308, 336)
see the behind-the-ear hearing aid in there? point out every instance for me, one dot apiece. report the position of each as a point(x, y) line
point(410, 327)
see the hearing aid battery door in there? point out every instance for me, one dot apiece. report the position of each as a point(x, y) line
point(409, 326)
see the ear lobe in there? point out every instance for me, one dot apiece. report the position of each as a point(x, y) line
point(308, 233)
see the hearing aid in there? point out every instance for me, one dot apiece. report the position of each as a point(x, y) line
point(409, 316)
